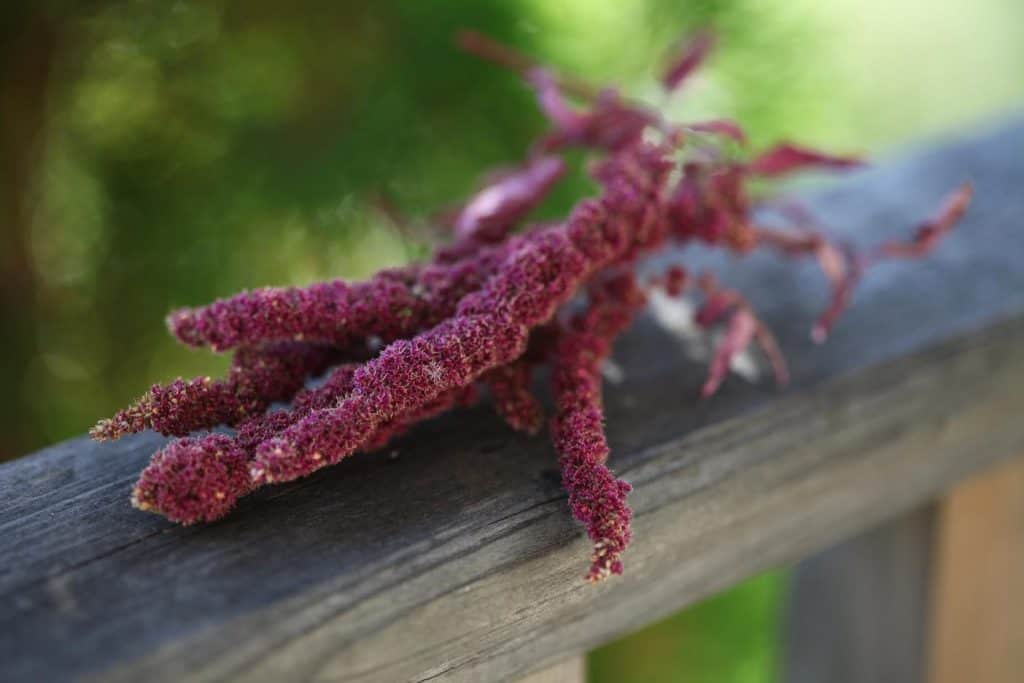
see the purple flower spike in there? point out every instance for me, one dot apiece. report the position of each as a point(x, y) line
point(212, 470)
point(257, 378)
point(335, 313)
point(512, 393)
point(597, 499)
point(394, 304)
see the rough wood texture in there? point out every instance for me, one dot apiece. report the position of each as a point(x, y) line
point(858, 612)
point(977, 624)
point(459, 559)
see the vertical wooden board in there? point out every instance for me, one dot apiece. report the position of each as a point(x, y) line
point(572, 670)
point(977, 622)
point(858, 611)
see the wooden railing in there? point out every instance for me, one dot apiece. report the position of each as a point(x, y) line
point(458, 560)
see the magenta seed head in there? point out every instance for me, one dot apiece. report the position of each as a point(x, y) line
point(194, 480)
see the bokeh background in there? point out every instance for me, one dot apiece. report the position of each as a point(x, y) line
point(157, 153)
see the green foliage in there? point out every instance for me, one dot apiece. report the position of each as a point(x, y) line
point(730, 638)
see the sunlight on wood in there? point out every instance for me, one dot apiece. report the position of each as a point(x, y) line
point(978, 628)
point(573, 670)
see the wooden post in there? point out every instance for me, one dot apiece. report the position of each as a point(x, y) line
point(978, 591)
point(572, 670)
point(858, 611)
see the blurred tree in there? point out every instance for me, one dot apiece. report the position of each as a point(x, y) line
point(28, 42)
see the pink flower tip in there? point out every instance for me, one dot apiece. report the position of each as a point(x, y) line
point(194, 480)
point(105, 430)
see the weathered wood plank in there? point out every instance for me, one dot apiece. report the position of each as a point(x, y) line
point(458, 560)
point(858, 612)
point(977, 629)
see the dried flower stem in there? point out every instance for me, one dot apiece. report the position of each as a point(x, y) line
point(492, 306)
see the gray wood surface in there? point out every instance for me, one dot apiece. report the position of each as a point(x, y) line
point(858, 612)
point(459, 561)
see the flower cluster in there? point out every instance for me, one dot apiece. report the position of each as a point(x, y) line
point(500, 301)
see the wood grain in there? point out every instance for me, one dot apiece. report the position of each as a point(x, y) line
point(977, 623)
point(459, 561)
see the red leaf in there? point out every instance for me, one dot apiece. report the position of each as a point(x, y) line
point(717, 304)
point(552, 101)
point(843, 267)
point(770, 347)
point(932, 230)
point(786, 158)
point(494, 209)
point(689, 57)
point(740, 332)
point(724, 127)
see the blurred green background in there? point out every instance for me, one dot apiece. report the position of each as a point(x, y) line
point(156, 154)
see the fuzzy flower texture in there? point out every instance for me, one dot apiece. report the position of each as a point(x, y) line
point(502, 299)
